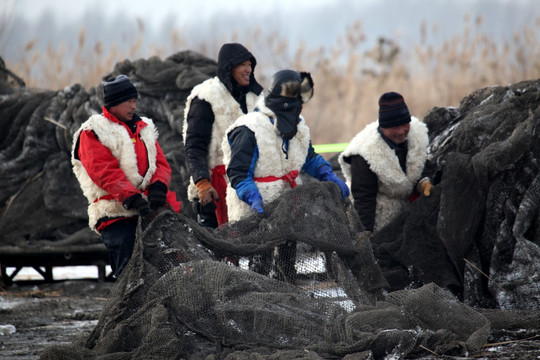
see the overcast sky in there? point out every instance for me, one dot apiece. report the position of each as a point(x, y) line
point(156, 10)
point(188, 12)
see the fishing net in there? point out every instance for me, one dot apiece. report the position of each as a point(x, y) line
point(189, 293)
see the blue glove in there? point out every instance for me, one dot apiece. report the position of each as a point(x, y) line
point(325, 173)
point(254, 199)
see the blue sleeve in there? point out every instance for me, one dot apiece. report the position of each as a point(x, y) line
point(248, 183)
point(244, 156)
point(314, 162)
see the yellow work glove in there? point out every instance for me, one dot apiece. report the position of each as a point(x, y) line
point(207, 193)
point(425, 187)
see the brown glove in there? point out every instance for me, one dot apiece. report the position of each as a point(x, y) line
point(425, 187)
point(207, 193)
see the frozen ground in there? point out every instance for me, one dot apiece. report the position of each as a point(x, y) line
point(35, 314)
point(59, 273)
point(45, 314)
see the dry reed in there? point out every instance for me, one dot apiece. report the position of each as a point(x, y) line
point(348, 79)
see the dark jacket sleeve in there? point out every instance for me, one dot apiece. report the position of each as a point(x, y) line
point(243, 157)
point(200, 120)
point(364, 188)
point(314, 163)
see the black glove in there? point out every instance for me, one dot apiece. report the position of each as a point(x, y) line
point(157, 195)
point(137, 202)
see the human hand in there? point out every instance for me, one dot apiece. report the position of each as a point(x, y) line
point(342, 186)
point(157, 195)
point(326, 174)
point(425, 187)
point(207, 193)
point(254, 199)
point(138, 203)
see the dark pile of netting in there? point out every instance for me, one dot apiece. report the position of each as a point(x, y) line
point(478, 234)
point(183, 297)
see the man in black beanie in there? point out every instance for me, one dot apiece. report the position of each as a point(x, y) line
point(384, 163)
point(210, 109)
point(121, 169)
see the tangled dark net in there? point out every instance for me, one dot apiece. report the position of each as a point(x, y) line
point(180, 298)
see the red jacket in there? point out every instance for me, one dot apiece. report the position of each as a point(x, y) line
point(104, 170)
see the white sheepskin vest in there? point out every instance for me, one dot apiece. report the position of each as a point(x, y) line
point(395, 186)
point(116, 138)
point(226, 110)
point(272, 160)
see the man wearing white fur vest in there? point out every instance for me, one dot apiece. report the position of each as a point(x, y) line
point(266, 149)
point(384, 163)
point(121, 169)
point(210, 109)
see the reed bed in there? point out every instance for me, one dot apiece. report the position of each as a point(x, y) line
point(349, 78)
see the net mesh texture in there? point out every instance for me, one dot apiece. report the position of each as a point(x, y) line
point(189, 293)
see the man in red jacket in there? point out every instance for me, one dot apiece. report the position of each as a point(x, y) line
point(121, 169)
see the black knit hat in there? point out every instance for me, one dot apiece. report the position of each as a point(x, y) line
point(117, 91)
point(392, 110)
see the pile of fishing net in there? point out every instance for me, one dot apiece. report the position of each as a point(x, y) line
point(188, 293)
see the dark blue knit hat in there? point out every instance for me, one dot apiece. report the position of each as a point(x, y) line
point(392, 110)
point(117, 91)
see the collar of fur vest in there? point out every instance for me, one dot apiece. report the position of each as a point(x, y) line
point(381, 158)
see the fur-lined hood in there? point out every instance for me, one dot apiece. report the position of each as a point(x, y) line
point(230, 56)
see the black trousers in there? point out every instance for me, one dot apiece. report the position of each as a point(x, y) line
point(206, 215)
point(119, 238)
point(283, 262)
